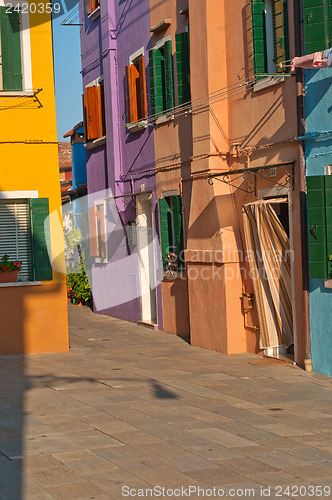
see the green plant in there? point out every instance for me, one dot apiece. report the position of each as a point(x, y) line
point(9, 265)
point(72, 238)
point(79, 284)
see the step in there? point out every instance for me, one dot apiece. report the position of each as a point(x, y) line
point(148, 324)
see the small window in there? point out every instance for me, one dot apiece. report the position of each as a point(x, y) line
point(161, 78)
point(171, 232)
point(94, 110)
point(183, 67)
point(15, 56)
point(91, 6)
point(136, 90)
point(24, 235)
point(98, 234)
point(269, 33)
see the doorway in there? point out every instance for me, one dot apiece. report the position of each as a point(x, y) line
point(266, 227)
point(146, 258)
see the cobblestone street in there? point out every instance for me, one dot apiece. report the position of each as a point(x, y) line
point(137, 408)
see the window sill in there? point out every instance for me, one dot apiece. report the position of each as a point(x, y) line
point(96, 143)
point(14, 93)
point(101, 260)
point(168, 117)
point(137, 126)
point(269, 81)
point(21, 283)
point(95, 14)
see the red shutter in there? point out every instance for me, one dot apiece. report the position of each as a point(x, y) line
point(93, 232)
point(101, 110)
point(142, 88)
point(91, 104)
point(135, 90)
point(129, 95)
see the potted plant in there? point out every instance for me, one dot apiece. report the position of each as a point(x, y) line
point(9, 269)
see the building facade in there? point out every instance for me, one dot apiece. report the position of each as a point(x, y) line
point(34, 309)
point(213, 137)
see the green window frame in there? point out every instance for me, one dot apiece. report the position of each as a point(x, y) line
point(161, 78)
point(11, 75)
point(171, 230)
point(183, 66)
point(319, 218)
point(263, 38)
point(317, 22)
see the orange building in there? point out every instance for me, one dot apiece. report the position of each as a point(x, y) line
point(228, 158)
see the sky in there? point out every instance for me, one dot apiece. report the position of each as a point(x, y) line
point(68, 79)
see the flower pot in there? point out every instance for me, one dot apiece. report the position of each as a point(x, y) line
point(8, 276)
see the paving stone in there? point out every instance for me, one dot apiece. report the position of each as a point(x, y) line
point(78, 490)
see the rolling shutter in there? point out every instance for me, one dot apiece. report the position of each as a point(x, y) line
point(11, 50)
point(316, 25)
point(15, 238)
point(169, 84)
point(183, 66)
point(40, 230)
point(156, 81)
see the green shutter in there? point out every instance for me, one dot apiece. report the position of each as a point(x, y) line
point(330, 23)
point(178, 229)
point(183, 66)
point(39, 211)
point(169, 84)
point(11, 50)
point(258, 36)
point(280, 32)
point(328, 215)
point(316, 25)
point(156, 81)
point(317, 226)
point(164, 211)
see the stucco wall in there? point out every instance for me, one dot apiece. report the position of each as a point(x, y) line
point(318, 98)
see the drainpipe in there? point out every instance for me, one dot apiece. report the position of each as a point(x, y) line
point(302, 182)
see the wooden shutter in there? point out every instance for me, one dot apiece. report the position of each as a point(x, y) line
point(164, 212)
point(90, 6)
point(11, 50)
point(328, 219)
point(93, 232)
point(178, 228)
point(142, 88)
point(317, 226)
point(280, 23)
point(135, 90)
point(91, 106)
point(169, 84)
point(129, 95)
point(101, 109)
point(15, 238)
point(316, 25)
point(258, 36)
point(40, 233)
point(183, 66)
point(156, 81)
point(101, 234)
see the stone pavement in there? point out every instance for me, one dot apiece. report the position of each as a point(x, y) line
point(136, 408)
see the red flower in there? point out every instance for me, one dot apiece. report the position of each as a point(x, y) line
point(4, 268)
point(17, 264)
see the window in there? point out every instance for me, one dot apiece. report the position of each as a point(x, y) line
point(171, 233)
point(319, 212)
point(15, 56)
point(91, 6)
point(136, 89)
point(98, 234)
point(161, 77)
point(269, 35)
point(23, 236)
point(317, 25)
point(183, 66)
point(94, 110)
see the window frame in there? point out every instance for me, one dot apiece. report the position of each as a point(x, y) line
point(167, 111)
point(98, 258)
point(26, 65)
point(136, 107)
point(95, 13)
point(100, 106)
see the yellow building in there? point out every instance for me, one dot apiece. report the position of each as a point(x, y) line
point(33, 310)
